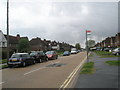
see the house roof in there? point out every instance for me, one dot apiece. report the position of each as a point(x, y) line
point(36, 41)
point(14, 39)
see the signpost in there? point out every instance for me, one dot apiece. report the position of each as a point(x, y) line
point(88, 32)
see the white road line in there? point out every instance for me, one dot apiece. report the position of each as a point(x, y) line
point(2, 82)
point(34, 70)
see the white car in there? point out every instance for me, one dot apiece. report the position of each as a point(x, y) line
point(116, 51)
point(74, 52)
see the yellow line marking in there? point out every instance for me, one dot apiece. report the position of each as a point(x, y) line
point(70, 77)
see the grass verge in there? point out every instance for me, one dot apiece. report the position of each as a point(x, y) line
point(105, 54)
point(2, 61)
point(116, 63)
point(3, 66)
point(60, 52)
point(88, 68)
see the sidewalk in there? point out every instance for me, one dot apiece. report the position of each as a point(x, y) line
point(105, 76)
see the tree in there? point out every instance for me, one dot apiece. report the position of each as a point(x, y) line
point(91, 43)
point(77, 46)
point(23, 45)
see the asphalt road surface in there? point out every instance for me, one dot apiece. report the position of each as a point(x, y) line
point(57, 73)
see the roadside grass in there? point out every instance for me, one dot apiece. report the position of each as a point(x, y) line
point(116, 63)
point(3, 66)
point(105, 54)
point(88, 68)
point(2, 61)
point(91, 55)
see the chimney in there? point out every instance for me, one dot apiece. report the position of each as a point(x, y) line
point(18, 36)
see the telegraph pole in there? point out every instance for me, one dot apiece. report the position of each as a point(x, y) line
point(7, 29)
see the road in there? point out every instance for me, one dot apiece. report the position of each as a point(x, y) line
point(43, 75)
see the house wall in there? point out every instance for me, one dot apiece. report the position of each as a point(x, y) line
point(3, 41)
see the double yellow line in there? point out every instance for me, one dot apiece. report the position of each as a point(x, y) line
point(70, 77)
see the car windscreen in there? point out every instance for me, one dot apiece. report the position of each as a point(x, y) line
point(33, 53)
point(66, 52)
point(49, 52)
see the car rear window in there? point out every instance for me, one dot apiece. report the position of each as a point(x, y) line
point(15, 56)
point(33, 53)
point(49, 52)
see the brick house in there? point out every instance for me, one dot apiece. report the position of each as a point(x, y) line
point(13, 42)
point(117, 40)
point(112, 42)
point(36, 44)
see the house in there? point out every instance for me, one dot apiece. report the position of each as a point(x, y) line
point(117, 40)
point(13, 42)
point(112, 42)
point(3, 40)
point(37, 44)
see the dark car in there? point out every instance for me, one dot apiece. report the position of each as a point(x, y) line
point(39, 56)
point(20, 59)
point(52, 54)
point(66, 53)
point(107, 49)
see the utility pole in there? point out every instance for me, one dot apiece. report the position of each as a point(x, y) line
point(87, 46)
point(7, 29)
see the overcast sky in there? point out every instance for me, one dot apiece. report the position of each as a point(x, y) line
point(61, 21)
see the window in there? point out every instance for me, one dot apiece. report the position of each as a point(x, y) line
point(3, 44)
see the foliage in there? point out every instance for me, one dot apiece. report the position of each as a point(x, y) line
point(3, 61)
point(117, 63)
point(88, 68)
point(23, 45)
point(77, 46)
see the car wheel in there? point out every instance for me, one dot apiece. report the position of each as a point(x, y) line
point(24, 64)
point(46, 59)
point(40, 60)
point(34, 62)
point(10, 66)
point(117, 54)
point(56, 57)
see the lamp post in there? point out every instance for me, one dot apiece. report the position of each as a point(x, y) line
point(7, 29)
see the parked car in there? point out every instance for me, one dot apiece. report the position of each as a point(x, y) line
point(20, 59)
point(39, 56)
point(66, 53)
point(106, 49)
point(116, 51)
point(52, 54)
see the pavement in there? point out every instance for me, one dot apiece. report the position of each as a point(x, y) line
point(105, 76)
point(52, 74)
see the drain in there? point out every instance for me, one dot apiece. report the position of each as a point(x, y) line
point(55, 65)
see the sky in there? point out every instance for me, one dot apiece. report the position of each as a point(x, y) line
point(63, 20)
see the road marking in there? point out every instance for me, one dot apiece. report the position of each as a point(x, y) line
point(2, 82)
point(33, 70)
point(39, 68)
point(70, 77)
